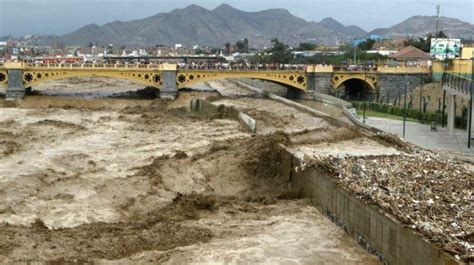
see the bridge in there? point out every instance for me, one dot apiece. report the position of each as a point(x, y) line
point(168, 78)
point(461, 87)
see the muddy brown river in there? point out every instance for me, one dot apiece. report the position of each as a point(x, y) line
point(145, 181)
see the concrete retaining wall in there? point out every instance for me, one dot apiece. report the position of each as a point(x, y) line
point(324, 98)
point(394, 84)
point(374, 230)
point(297, 105)
point(348, 109)
point(221, 111)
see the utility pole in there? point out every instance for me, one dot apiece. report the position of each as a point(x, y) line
point(365, 102)
point(437, 19)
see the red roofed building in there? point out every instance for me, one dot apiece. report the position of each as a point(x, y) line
point(412, 56)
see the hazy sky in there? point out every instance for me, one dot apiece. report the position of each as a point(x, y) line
point(23, 17)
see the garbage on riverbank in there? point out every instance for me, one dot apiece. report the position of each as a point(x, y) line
point(427, 193)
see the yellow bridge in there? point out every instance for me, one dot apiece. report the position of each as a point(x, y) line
point(168, 78)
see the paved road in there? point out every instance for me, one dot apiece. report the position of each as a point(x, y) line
point(420, 134)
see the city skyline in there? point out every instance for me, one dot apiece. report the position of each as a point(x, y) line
point(53, 17)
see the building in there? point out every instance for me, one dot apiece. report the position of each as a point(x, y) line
point(466, 53)
point(412, 56)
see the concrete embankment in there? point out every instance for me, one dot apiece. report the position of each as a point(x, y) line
point(221, 111)
point(376, 231)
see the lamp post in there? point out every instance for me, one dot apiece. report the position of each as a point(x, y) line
point(421, 91)
point(444, 109)
point(405, 107)
point(355, 54)
point(365, 106)
point(470, 104)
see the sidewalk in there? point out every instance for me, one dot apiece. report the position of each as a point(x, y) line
point(421, 135)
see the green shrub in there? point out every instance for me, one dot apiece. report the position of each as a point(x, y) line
point(424, 117)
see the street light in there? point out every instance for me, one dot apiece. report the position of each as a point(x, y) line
point(405, 107)
point(470, 104)
point(355, 54)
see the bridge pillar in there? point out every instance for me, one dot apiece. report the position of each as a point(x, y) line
point(15, 89)
point(310, 82)
point(169, 89)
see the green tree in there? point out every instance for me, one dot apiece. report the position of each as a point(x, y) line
point(280, 52)
point(227, 47)
point(441, 35)
point(240, 46)
point(246, 44)
point(424, 44)
point(366, 45)
point(306, 46)
point(199, 51)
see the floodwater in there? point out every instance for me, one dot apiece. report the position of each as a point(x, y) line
point(145, 181)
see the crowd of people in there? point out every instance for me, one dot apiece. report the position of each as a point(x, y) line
point(265, 66)
point(241, 66)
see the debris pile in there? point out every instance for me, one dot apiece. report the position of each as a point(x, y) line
point(426, 193)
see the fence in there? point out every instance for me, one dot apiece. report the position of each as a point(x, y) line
point(425, 117)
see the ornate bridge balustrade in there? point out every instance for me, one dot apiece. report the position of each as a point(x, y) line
point(296, 79)
point(18, 76)
point(149, 75)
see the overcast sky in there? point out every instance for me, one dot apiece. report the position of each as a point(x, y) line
point(23, 17)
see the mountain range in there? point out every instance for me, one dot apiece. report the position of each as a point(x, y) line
point(197, 25)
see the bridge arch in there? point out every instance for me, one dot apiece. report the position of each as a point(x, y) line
point(356, 86)
point(294, 79)
point(144, 77)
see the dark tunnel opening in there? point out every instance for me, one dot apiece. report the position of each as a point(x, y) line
point(355, 89)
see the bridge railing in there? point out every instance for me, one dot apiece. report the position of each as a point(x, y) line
point(456, 82)
point(358, 69)
point(241, 67)
point(92, 65)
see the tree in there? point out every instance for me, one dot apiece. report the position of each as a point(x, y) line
point(199, 51)
point(306, 46)
point(246, 45)
point(240, 46)
point(441, 35)
point(227, 48)
point(366, 45)
point(424, 44)
point(279, 52)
